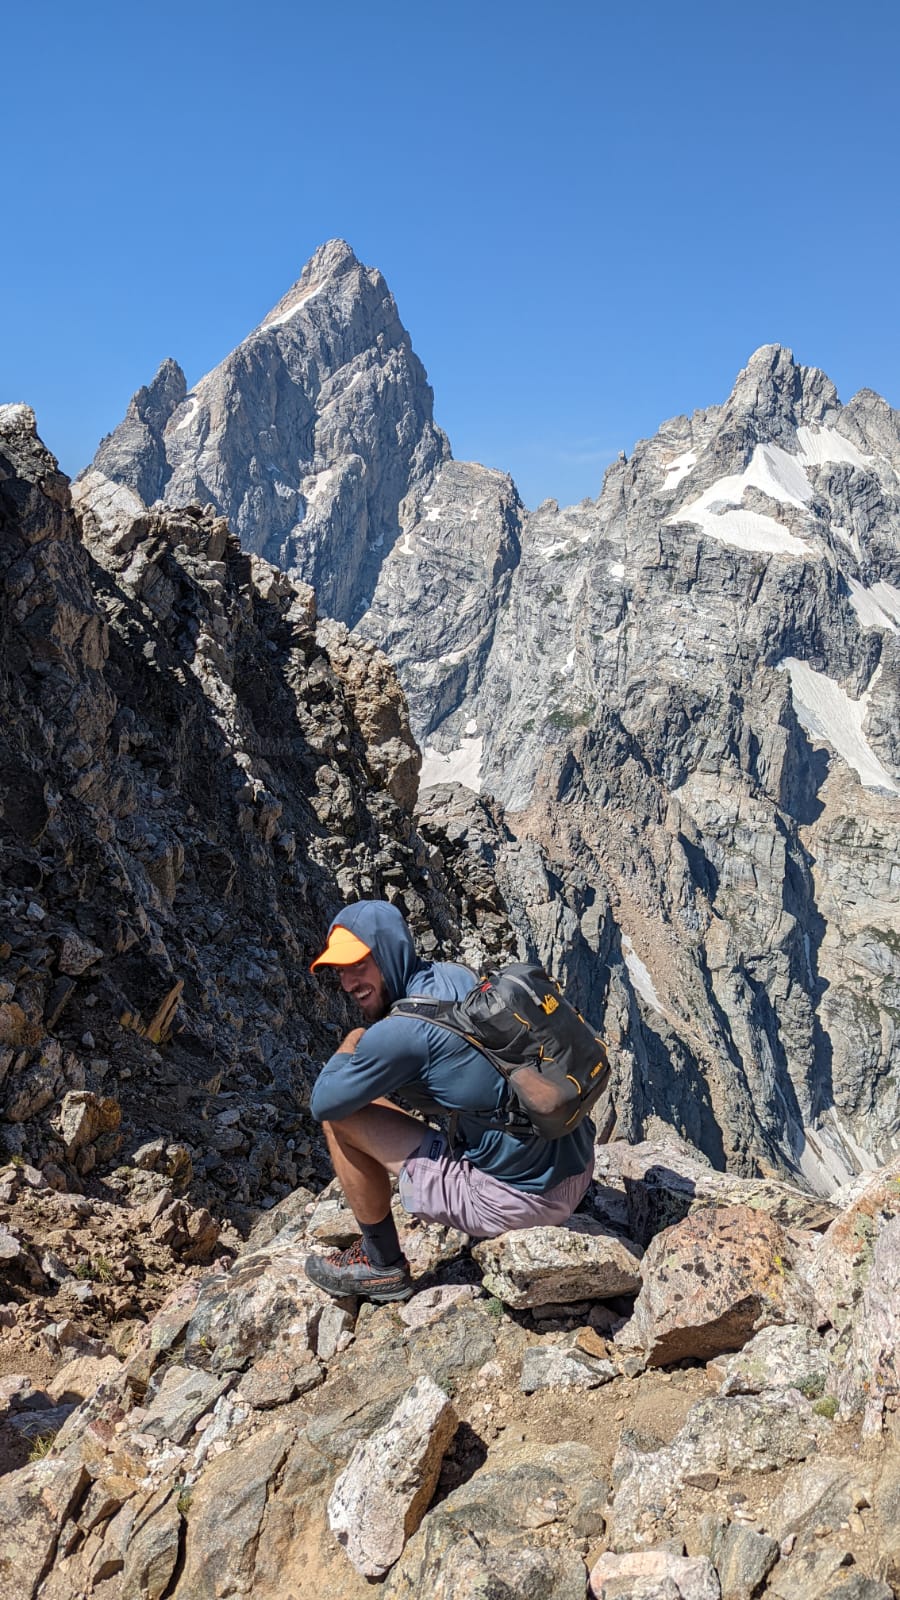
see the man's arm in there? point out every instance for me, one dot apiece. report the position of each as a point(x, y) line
point(347, 1047)
point(370, 1063)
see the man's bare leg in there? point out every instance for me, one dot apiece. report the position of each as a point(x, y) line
point(367, 1149)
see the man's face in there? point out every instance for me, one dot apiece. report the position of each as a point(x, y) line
point(364, 984)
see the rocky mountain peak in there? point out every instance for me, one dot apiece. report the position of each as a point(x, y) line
point(332, 261)
point(308, 436)
point(774, 394)
point(332, 258)
point(135, 452)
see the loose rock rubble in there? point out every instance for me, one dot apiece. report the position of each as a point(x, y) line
point(257, 1438)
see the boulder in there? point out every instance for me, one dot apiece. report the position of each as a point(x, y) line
point(711, 1282)
point(84, 1116)
point(225, 1517)
point(152, 1550)
point(824, 1572)
point(183, 1396)
point(818, 1493)
point(540, 1266)
point(653, 1575)
point(265, 1303)
point(455, 1345)
point(743, 1559)
point(840, 1268)
point(275, 1380)
point(469, 1570)
point(870, 1374)
point(83, 1376)
point(498, 1532)
point(35, 1502)
point(430, 1305)
point(11, 1248)
point(787, 1357)
point(665, 1180)
point(76, 955)
point(381, 1496)
point(30, 1091)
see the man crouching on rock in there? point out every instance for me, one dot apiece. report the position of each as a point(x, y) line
point(488, 1181)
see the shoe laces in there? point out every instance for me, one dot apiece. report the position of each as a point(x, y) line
point(353, 1256)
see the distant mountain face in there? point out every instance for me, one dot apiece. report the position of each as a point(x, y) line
point(686, 694)
point(307, 436)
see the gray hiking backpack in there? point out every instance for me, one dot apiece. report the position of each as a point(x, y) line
point(554, 1062)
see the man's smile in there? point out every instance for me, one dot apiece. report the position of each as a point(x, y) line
point(364, 984)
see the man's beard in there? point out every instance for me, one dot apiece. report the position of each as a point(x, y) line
point(378, 1007)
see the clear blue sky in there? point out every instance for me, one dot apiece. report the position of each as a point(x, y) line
point(589, 213)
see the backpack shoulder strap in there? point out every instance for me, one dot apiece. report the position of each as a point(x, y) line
point(442, 1013)
point(426, 1007)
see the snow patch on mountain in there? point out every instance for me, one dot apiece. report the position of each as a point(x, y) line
point(746, 530)
point(826, 711)
point(877, 606)
point(277, 319)
point(462, 765)
point(719, 510)
point(640, 976)
point(679, 468)
point(821, 445)
point(830, 1156)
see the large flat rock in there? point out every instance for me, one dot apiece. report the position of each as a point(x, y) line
point(553, 1266)
point(664, 1181)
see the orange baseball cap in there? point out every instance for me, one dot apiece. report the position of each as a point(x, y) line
point(342, 950)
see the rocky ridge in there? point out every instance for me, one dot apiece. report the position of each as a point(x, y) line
point(255, 1438)
point(683, 695)
point(194, 775)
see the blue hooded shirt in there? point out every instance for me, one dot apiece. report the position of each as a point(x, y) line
point(431, 1067)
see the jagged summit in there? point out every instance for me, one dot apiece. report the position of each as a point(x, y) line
point(332, 261)
point(779, 394)
point(308, 436)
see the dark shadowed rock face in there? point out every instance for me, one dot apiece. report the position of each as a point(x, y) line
point(192, 781)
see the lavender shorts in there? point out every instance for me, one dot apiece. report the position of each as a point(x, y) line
point(441, 1188)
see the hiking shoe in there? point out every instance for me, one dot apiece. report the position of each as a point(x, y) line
point(346, 1272)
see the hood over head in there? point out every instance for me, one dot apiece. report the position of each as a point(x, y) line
point(383, 930)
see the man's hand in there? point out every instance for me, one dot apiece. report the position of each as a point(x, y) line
point(351, 1041)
